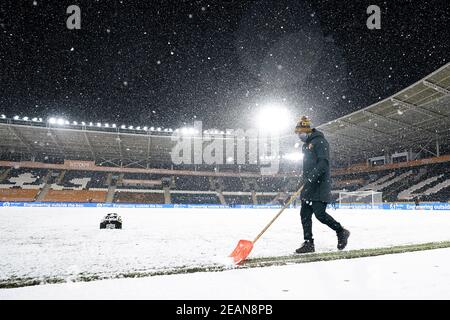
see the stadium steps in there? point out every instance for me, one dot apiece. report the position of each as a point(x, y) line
point(414, 191)
point(221, 197)
point(443, 185)
point(109, 179)
point(443, 195)
point(167, 196)
point(119, 181)
point(254, 199)
point(112, 186)
point(110, 194)
point(395, 188)
point(386, 184)
point(440, 178)
point(5, 174)
point(377, 182)
point(41, 194)
point(60, 178)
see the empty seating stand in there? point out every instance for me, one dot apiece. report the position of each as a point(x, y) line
point(136, 197)
point(8, 195)
point(238, 199)
point(75, 196)
point(183, 198)
point(193, 183)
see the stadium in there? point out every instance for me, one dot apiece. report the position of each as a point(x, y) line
point(224, 150)
point(65, 176)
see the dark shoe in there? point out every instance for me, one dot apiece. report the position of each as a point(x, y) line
point(307, 247)
point(342, 236)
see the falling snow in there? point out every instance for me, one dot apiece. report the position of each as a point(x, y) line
point(214, 60)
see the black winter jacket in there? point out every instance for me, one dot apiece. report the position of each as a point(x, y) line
point(316, 168)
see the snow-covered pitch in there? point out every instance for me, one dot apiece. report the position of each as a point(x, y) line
point(67, 242)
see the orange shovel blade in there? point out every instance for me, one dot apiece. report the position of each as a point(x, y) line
point(241, 251)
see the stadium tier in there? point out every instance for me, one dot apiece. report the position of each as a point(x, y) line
point(425, 180)
point(385, 147)
point(133, 197)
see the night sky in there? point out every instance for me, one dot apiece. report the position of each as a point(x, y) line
point(167, 63)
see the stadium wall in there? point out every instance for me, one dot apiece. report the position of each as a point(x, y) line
point(91, 166)
point(364, 167)
point(431, 206)
point(18, 194)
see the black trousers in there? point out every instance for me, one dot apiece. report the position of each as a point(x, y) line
point(318, 208)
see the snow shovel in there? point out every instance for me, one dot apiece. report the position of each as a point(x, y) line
point(244, 247)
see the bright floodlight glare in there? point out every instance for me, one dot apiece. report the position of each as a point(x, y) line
point(52, 120)
point(60, 121)
point(123, 126)
point(130, 127)
point(158, 129)
point(106, 125)
point(294, 156)
point(99, 124)
point(75, 123)
point(83, 123)
point(16, 117)
point(114, 125)
point(3, 116)
point(91, 124)
point(34, 119)
point(273, 118)
point(152, 128)
point(25, 118)
point(145, 128)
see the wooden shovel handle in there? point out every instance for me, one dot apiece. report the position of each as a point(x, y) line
point(295, 195)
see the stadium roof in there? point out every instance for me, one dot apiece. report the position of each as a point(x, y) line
point(85, 143)
point(410, 119)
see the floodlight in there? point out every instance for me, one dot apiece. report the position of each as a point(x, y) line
point(273, 118)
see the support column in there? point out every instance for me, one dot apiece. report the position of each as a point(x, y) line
point(167, 196)
point(111, 193)
point(46, 188)
point(254, 199)
point(437, 147)
point(221, 197)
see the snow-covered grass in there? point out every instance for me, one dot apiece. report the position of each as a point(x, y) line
point(415, 275)
point(65, 242)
